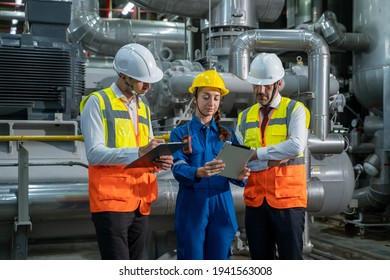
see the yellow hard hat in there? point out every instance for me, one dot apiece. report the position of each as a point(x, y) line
point(209, 78)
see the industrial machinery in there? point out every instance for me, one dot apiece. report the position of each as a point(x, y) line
point(337, 62)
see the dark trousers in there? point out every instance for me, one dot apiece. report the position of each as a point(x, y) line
point(275, 233)
point(121, 235)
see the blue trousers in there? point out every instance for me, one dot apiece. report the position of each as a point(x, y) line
point(205, 223)
point(275, 233)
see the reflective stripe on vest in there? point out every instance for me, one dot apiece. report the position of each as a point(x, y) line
point(277, 128)
point(119, 122)
point(284, 186)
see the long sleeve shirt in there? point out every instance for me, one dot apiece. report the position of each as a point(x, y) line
point(291, 148)
point(205, 147)
point(93, 132)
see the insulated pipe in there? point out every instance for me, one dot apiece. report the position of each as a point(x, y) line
point(41, 138)
point(194, 9)
point(47, 201)
point(315, 195)
point(372, 197)
point(10, 15)
point(334, 144)
point(339, 40)
point(106, 36)
point(297, 84)
point(295, 40)
point(180, 82)
point(70, 200)
point(316, 9)
point(44, 138)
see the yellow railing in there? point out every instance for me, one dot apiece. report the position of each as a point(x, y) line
point(56, 138)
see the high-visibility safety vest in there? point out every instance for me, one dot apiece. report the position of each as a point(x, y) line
point(115, 188)
point(283, 186)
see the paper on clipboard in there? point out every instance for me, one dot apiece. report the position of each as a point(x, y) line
point(235, 158)
point(163, 149)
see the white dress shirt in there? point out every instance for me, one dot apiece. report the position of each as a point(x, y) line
point(288, 149)
point(91, 125)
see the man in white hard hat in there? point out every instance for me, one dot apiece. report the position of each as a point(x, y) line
point(117, 129)
point(275, 195)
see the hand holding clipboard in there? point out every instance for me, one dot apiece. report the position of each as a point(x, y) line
point(162, 149)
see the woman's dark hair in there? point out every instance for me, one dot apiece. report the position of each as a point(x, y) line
point(224, 134)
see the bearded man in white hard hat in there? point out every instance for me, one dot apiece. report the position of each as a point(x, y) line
point(117, 130)
point(275, 195)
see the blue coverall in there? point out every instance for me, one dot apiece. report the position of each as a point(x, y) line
point(205, 219)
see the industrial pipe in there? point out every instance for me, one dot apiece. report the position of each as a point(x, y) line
point(296, 40)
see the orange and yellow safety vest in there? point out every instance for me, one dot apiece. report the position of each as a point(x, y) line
point(115, 188)
point(283, 186)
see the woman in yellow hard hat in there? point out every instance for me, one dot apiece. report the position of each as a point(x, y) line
point(205, 219)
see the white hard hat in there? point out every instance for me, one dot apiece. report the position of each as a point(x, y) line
point(137, 62)
point(265, 69)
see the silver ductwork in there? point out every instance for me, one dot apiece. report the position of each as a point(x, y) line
point(335, 35)
point(106, 36)
point(223, 12)
point(191, 8)
point(244, 14)
point(10, 15)
point(296, 81)
point(373, 197)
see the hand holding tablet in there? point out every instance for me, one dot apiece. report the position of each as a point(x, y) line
point(235, 158)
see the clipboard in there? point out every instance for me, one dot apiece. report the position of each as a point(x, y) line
point(163, 149)
point(235, 157)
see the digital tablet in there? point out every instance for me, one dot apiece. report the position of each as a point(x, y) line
point(163, 149)
point(235, 158)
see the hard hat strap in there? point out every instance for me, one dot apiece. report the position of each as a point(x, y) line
point(133, 91)
point(130, 87)
point(273, 93)
point(196, 103)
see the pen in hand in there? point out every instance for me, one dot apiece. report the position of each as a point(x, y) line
point(150, 146)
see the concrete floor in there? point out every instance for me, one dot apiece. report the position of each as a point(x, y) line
point(330, 236)
point(82, 249)
point(350, 241)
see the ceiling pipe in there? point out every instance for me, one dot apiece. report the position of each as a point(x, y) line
point(192, 9)
point(336, 38)
point(10, 15)
point(106, 36)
